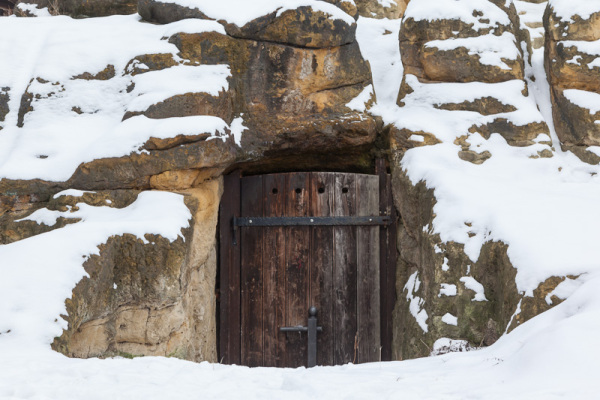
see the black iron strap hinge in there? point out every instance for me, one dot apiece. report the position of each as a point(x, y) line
point(308, 221)
point(311, 221)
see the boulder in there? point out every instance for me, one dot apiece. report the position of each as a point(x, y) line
point(88, 8)
point(453, 49)
point(302, 26)
point(575, 121)
point(572, 60)
point(463, 65)
point(289, 97)
point(432, 274)
point(154, 298)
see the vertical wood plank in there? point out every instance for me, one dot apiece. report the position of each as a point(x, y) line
point(321, 273)
point(388, 254)
point(297, 268)
point(274, 272)
point(229, 270)
point(251, 274)
point(344, 273)
point(367, 244)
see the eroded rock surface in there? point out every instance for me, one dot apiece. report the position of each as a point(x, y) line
point(477, 45)
point(152, 298)
point(391, 9)
point(285, 105)
point(436, 279)
point(88, 8)
point(283, 85)
point(464, 81)
point(572, 55)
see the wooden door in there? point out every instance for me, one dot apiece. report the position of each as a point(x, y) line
point(277, 272)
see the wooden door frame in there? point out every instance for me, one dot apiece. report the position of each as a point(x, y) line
point(229, 268)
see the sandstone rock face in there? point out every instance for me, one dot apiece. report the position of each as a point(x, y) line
point(292, 77)
point(436, 276)
point(82, 9)
point(484, 46)
point(392, 9)
point(154, 298)
point(4, 97)
point(573, 70)
point(290, 80)
point(288, 93)
point(466, 75)
point(299, 27)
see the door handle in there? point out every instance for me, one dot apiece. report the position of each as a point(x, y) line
point(312, 330)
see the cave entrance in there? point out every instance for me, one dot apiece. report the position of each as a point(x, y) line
point(292, 241)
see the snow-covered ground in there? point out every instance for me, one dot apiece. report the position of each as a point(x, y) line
point(545, 208)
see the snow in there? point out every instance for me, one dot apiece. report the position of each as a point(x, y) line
point(240, 12)
point(544, 208)
point(472, 284)
point(156, 86)
point(449, 319)
point(445, 266)
point(590, 47)
point(594, 64)
point(39, 273)
point(575, 60)
point(447, 345)
point(464, 10)
point(519, 212)
point(530, 16)
point(515, 314)
point(359, 102)
point(490, 49)
point(595, 150)
point(33, 9)
point(567, 9)
point(416, 138)
point(584, 99)
point(71, 192)
point(237, 129)
point(384, 58)
point(76, 120)
point(387, 3)
point(447, 289)
point(565, 289)
point(415, 302)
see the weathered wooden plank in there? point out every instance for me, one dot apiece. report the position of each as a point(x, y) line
point(251, 275)
point(388, 253)
point(274, 272)
point(321, 273)
point(297, 267)
point(367, 244)
point(344, 272)
point(229, 274)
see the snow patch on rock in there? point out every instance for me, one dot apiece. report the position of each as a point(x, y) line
point(416, 303)
point(472, 284)
point(450, 319)
point(447, 289)
point(240, 12)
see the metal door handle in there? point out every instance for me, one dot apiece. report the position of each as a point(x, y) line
point(312, 330)
point(298, 328)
